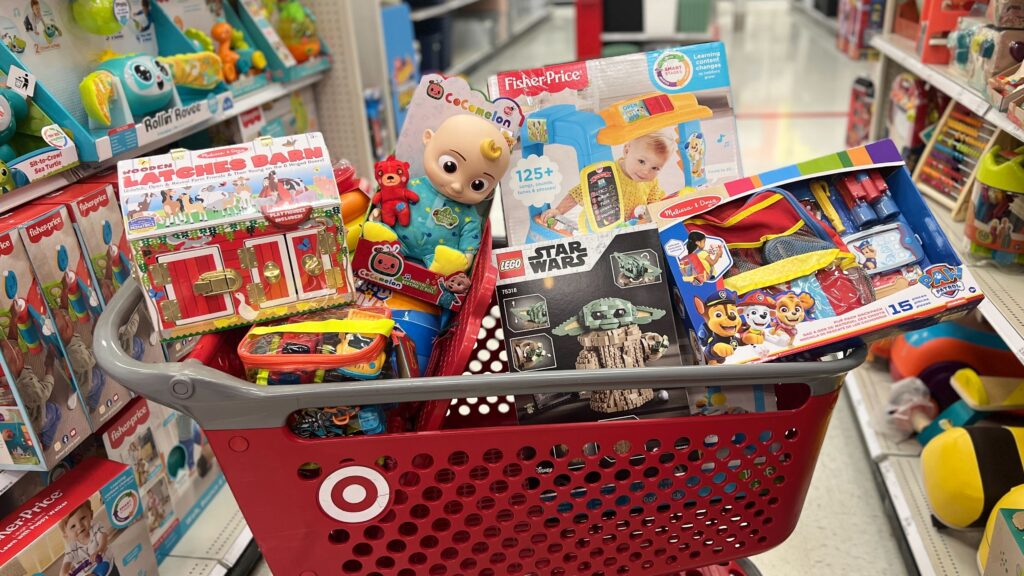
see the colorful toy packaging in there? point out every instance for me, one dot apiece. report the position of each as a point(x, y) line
point(73, 299)
point(87, 522)
point(810, 256)
point(428, 214)
point(286, 32)
point(604, 138)
point(995, 223)
point(1003, 544)
point(586, 303)
point(235, 235)
point(42, 417)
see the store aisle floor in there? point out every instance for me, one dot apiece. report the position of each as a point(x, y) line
point(791, 88)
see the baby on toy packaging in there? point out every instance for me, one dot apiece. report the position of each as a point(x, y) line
point(427, 219)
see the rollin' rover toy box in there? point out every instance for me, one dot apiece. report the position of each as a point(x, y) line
point(586, 303)
point(235, 235)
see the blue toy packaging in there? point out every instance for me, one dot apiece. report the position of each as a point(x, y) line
point(808, 257)
point(606, 137)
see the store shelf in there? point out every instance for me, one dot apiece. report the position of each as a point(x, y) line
point(191, 567)
point(645, 38)
point(9, 478)
point(831, 24)
point(868, 388)
point(1003, 306)
point(228, 109)
point(464, 64)
point(220, 534)
point(429, 12)
point(1003, 122)
point(936, 552)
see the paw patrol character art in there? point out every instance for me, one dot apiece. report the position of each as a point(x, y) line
point(463, 160)
point(757, 310)
point(790, 310)
point(719, 336)
point(608, 329)
point(393, 198)
point(869, 255)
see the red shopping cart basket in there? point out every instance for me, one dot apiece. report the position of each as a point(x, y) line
point(639, 497)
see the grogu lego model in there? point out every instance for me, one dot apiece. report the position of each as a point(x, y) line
point(608, 329)
point(635, 270)
point(528, 353)
point(533, 316)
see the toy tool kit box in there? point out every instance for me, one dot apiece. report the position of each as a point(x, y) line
point(74, 301)
point(606, 137)
point(586, 303)
point(87, 522)
point(427, 218)
point(42, 417)
point(810, 256)
point(231, 236)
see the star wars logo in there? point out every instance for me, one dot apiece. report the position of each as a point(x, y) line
point(558, 257)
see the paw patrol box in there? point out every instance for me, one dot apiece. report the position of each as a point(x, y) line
point(74, 301)
point(586, 303)
point(235, 235)
point(90, 521)
point(810, 256)
point(428, 216)
point(42, 417)
point(606, 137)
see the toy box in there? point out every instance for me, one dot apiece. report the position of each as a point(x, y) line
point(586, 303)
point(87, 522)
point(42, 417)
point(605, 137)
point(286, 32)
point(400, 48)
point(145, 436)
point(1006, 13)
point(289, 115)
point(73, 299)
point(98, 76)
point(429, 213)
point(1006, 548)
point(810, 256)
point(230, 236)
point(938, 19)
point(857, 20)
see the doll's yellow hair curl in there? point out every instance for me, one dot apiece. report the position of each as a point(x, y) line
point(490, 149)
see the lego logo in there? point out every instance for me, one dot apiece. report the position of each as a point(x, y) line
point(354, 494)
point(513, 264)
point(510, 265)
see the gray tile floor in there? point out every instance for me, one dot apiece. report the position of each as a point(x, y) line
point(791, 89)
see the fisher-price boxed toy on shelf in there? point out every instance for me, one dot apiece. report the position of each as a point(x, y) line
point(286, 32)
point(604, 138)
point(87, 522)
point(230, 236)
point(73, 298)
point(810, 256)
point(428, 217)
point(98, 76)
point(42, 417)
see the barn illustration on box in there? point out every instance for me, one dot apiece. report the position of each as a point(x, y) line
point(272, 250)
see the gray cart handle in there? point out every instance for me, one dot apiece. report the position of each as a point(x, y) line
point(221, 402)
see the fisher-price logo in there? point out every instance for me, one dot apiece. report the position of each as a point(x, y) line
point(510, 265)
point(6, 246)
point(689, 207)
point(943, 280)
point(92, 204)
point(536, 81)
point(128, 427)
point(45, 228)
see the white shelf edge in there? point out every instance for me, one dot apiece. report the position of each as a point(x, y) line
point(429, 12)
point(828, 22)
point(1002, 121)
point(868, 388)
point(486, 52)
point(860, 410)
point(220, 518)
point(906, 519)
point(191, 567)
point(465, 64)
point(530, 22)
point(1003, 327)
point(645, 38)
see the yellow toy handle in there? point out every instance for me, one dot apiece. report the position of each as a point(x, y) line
point(628, 119)
point(383, 327)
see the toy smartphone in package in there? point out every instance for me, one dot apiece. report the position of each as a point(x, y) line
point(42, 417)
point(236, 235)
point(604, 138)
point(810, 256)
point(89, 521)
point(427, 217)
point(586, 303)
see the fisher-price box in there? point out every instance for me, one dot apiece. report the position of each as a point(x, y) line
point(810, 256)
point(235, 235)
point(604, 138)
point(42, 417)
point(74, 301)
point(85, 523)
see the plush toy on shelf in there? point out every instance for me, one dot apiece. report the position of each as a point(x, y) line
point(221, 34)
point(297, 28)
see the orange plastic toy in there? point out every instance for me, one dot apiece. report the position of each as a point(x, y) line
point(221, 34)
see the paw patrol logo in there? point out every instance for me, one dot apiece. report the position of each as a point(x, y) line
point(943, 280)
point(354, 494)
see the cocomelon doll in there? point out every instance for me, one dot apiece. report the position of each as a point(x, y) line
point(463, 159)
point(85, 545)
point(641, 162)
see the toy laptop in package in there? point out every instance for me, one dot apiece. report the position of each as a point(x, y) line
point(433, 197)
point(42, 417)
point(810, 256)
point(586, 303)
point(230, 236)
point(87, 522)
point(604, 138)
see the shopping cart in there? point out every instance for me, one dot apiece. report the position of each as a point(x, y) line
point(642, 497)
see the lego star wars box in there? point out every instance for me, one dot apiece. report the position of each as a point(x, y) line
point(87, 522)
point(586, 303)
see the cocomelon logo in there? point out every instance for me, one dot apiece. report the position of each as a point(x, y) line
point(672, 70)
point(943, 280)
point(354, 494)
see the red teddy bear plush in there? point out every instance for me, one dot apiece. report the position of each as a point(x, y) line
point(393, 197)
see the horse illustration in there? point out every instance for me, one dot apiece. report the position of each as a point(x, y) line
point(243, 192)
point(142, 206)
point(174, 209)
point(191, 207)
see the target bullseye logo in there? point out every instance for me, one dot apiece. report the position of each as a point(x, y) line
point(354, 494)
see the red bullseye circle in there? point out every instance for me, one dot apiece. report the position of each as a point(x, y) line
point(354, 494)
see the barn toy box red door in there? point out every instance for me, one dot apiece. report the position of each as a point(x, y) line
point(231, 236)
